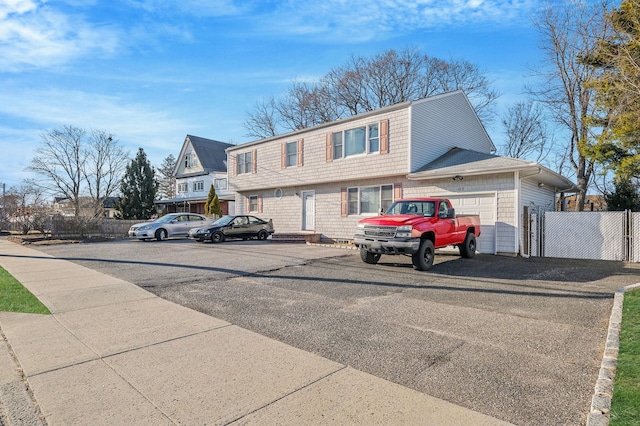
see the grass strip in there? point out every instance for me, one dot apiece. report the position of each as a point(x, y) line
point(14, 297)
point(625, 404)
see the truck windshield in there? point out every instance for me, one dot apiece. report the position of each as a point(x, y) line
point(424, 208)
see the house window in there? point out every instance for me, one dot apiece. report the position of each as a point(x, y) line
point(198, 186)
point(220, 184)
point(244, 163)
point(190, 160)
point(292, 154)
point(360, 140)
point(336, 142)
point(253, 203)
point(352, 197)
point(370, 199)
point(374, 138)
point(182, 187)
point(355, 141)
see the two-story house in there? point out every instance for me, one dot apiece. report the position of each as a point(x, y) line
point(326, 178)
point(201, 163)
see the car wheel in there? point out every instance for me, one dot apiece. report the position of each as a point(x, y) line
point(217, 237)
point(161, 234)
point(468, 247)
point(423, 258)
point(262, 235)
point(368, 257)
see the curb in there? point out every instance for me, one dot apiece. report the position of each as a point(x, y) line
point(601, 402)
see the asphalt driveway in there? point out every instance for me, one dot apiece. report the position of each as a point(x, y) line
point(517, 339)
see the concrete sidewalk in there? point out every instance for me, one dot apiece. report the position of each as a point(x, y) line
point(113, 353)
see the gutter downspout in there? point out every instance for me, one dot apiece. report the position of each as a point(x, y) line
point(518, 238)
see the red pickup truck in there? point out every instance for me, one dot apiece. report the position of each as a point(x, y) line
point(417, 227)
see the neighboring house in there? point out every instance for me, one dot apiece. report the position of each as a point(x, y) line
point(326, 178)
point(109, 206)
point(593, 203)
point(64, 207)
point(201, 162)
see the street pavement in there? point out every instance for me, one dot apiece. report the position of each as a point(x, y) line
point(113, 353)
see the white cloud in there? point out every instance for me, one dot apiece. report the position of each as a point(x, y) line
point(8, 7)
point(363, 20)
point(33, 35)
point(135, 124)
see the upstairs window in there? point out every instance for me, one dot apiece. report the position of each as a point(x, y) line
point(337, 145)
point(190, 160)
point(182, 187)
point(292, 154)
point(220, 184)
point(374, 138)
point(359, 140)
point(198, 186)
point(355, 141)
point(244, 163)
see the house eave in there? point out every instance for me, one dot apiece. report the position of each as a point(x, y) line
point(542, 174)
point(390, 108)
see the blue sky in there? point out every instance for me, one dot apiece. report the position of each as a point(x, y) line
point(153, 71)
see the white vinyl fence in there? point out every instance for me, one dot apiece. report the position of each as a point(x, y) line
point(585, 235)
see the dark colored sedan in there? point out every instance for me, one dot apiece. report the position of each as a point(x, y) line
point(239, 226)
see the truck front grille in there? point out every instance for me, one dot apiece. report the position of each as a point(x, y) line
point(380, 231)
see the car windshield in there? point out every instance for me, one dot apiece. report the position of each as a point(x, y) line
point(424, 208)
point(166, 218)
point(224, 220)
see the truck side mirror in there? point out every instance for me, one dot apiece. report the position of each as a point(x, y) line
point(451, 214)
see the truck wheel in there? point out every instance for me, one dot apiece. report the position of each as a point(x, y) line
point(368, 257)
point(468, 247)
point(423, 258)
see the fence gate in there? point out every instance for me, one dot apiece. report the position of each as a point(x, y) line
point(588, 235)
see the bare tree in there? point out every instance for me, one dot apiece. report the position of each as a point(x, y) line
point(105, 163)
point(262, 121)
point(27, 208)
point(526, 131)
point(567, 31)
point(60, 161)
point(365, 84)
point(75, 165)
point(439, 76)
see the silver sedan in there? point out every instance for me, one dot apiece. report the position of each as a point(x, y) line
point(170, 225)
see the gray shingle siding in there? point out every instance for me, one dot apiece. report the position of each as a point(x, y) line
point(443, 122)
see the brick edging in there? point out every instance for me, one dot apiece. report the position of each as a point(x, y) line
point(601, 401)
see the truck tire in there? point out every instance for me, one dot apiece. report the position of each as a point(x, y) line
point(368, 257)
point(468, 247)
point(423, 258)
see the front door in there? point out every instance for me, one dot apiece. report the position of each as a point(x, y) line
point(308, 211)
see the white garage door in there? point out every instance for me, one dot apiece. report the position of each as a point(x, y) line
point(485, 206)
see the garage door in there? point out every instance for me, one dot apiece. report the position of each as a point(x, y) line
point(485, 206)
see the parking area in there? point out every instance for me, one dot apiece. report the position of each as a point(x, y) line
point(517, 339)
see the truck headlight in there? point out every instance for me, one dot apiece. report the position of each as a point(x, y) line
point(403, 231)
